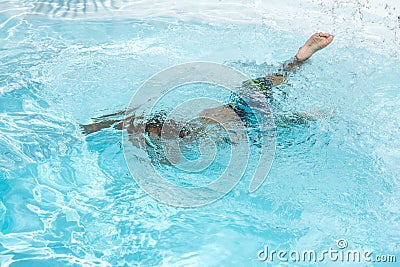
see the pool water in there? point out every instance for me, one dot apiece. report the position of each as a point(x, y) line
point(67, 199)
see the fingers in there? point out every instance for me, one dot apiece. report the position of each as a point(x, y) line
point(324, 35)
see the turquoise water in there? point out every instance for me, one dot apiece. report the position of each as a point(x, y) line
point(69, 200)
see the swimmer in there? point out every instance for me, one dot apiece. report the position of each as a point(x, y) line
point(154, 126)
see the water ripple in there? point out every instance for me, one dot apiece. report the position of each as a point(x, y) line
point(68, 200)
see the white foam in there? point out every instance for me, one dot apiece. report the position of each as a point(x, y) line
point(375, 25)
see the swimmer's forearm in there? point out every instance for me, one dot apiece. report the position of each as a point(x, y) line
point(293, 64)
point(289, 66)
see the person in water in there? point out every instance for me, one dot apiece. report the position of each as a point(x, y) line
point(153, 126)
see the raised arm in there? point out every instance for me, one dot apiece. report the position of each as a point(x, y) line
point(316, 42)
